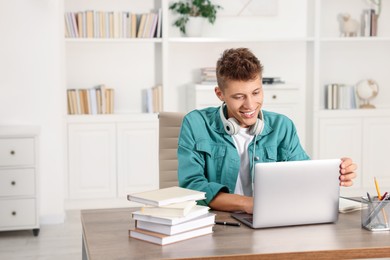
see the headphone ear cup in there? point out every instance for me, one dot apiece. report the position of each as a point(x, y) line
point(232, 127)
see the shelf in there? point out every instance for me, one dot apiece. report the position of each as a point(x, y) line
point(339, 113)
point(106, 118)
point(239, 40)
point(113, 40)
point(354, 39)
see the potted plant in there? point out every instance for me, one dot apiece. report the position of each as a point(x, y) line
point(190, 10)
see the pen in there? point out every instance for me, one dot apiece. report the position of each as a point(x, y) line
point(384, 195)
point(236, 224)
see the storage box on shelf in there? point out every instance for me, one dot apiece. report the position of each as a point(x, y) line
point(19, 178)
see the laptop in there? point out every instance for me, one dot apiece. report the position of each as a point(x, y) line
point(294, 193)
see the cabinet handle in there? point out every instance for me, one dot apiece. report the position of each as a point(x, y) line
point(13, 183)
point(12, 152)
point(274, 96)
point(13, 213)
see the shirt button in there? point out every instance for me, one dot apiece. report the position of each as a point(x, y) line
point(257, 158)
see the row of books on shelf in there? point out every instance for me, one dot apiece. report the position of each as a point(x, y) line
point(369, 23)
point(153, 99)
point(100, 24)
point(170, 215)
point(92, 101)
point(341, 96)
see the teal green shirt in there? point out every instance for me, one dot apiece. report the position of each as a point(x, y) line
point(207, 156)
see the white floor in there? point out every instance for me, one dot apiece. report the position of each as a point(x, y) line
point(61, 241)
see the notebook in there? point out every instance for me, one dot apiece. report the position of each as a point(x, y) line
point(294, 193)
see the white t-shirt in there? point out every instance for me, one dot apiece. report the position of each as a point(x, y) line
point(244, 180)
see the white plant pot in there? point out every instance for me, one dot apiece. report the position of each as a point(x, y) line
point(194, 26)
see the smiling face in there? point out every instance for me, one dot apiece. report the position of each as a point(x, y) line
point(243, 99)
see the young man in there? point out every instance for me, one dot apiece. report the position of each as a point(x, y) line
point(218, 146)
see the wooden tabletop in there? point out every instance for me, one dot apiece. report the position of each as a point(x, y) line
point(105, 236)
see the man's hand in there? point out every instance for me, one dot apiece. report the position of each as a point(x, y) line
point(347, 172)
point(232, 202)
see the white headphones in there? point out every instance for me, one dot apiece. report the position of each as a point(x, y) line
point(232, 127)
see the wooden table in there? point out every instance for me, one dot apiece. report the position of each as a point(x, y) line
point(105, 236)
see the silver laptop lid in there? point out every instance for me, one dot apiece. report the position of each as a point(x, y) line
point(296, 193)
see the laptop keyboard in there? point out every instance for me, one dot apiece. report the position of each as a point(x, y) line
point(249, 219)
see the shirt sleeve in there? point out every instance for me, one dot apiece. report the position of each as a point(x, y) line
point(191, 165)
point(296, 152)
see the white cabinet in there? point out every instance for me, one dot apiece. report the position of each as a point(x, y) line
point(19, 178)
point(110, 157)
point(137, 152)
point(92, 160)
point(364, 137)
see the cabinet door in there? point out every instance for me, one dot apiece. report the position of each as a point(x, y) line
point(92, 166)
point(376, 151)
point(137, 157)
point(341, 138)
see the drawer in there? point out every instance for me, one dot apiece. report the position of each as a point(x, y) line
point(17, 213)
point(17, 151)
point(280, 96)
point(17, 182)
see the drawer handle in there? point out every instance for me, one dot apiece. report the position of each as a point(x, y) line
point(13, 213)
point(12, 152)
point(13, 183)
point(274, 96)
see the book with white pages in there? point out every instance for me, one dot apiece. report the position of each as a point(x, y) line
point(166, 196)
point(162, 239)
point(194, 213)
point(179, 209)
point(350, 204)
point(199, 222)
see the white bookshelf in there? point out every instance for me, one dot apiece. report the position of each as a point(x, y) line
point(300, 44)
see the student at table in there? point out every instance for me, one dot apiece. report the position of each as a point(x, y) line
point(218, 146)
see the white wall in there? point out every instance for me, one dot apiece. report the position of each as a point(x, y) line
point(32, 91)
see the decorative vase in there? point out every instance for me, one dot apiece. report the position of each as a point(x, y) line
point(194, 26)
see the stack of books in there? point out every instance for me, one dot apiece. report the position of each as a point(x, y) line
point(170, 215)
point(208, 76)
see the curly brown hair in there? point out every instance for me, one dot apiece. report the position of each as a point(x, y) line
point(237, 64)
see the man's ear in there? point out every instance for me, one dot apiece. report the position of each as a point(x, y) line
point(219, 93)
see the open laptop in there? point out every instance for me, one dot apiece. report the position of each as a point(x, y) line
point(294, 193)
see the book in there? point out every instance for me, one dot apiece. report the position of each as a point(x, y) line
point(166, 196)
point(175, 210)
point(199, 222)
point(374, 23)
point(350, 204)
point(162, 239)
point(89, 14)
point(195, 212)
point(142, 23)
point(159, 26)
